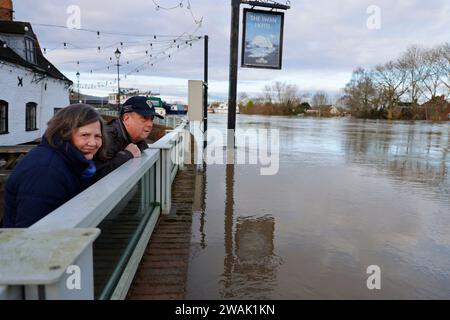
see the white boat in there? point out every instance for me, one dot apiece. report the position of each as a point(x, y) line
point(223, 108)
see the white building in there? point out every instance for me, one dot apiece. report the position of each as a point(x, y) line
point(31, 88)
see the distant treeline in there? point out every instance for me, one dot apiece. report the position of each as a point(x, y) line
point(282, 99)
point(415, 86)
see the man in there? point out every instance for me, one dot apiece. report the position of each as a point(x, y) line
point(126, 135)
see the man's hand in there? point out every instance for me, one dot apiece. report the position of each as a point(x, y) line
point(134, 150)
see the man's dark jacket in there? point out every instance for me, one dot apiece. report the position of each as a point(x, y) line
point(43, 180)
point(117, 140)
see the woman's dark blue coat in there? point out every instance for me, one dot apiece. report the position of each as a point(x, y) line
point(42, 181)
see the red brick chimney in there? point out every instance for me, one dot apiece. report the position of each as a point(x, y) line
point(6, 10)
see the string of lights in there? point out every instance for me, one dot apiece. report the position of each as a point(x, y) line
point(150, 63)
point(137, 55)
point(130, 56)
point(99, 32)
point(180, 5)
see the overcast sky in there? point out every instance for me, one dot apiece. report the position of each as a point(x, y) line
point(324, 41)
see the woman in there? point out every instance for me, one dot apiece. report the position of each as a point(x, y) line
point(58, 169)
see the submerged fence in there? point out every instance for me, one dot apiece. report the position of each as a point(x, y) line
point(90, 247)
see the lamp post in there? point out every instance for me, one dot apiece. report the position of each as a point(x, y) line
point(117, 53)
point(78, 85)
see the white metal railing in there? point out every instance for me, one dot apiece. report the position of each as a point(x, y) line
point(172, 147)
point(171, 121)
point(70, 231)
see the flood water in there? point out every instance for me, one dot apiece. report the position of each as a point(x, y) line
point(348, 194)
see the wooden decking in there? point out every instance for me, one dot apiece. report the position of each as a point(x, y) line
point(162, 272)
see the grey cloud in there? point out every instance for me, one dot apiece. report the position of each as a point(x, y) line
point(323, 35)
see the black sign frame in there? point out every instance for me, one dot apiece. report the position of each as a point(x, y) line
point(245, 64)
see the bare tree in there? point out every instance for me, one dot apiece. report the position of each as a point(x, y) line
point(445, 65)
point(434, 72)
point(360, 93)
point(267, 95)
point(320, 99)
point(390, 79)
point(243, 98)
point(412, 65)
point(278, 88)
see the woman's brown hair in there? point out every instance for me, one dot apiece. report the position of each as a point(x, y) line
point(70, 118)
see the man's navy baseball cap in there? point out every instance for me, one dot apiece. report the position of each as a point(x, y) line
point(141, 105)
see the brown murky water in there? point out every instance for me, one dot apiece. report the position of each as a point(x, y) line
point(348, 194)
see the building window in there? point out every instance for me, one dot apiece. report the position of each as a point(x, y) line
point(3, 117)
point(55, 110)
point(30, 116)
point(30, 51)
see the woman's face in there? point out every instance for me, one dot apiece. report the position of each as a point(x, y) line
point(88, 139)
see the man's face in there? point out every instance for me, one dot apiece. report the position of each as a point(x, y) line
point(138, 127)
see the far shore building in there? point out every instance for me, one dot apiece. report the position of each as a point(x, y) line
point(126, 93)
point(31, 87)
point(98, 102)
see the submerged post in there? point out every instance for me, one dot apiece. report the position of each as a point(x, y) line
point(232, 91)
point(205, 92)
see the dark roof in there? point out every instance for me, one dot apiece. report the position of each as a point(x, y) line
point(7, 54)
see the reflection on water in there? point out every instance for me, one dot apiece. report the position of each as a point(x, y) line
point(249, 264)
point(348, 194)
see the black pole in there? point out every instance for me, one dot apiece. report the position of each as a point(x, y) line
point(118, 87)
point(232, 91)
point(78, 86)
point(205, 92)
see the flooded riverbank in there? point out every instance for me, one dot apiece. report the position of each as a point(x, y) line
point(348, 194)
